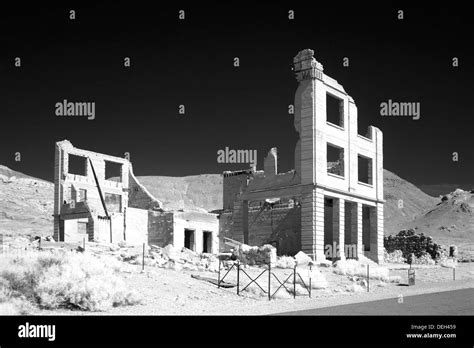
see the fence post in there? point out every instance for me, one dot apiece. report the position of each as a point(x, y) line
point(368, 278)
point(310, 274)
point(294, 282)
point(269, 275)
point(143, 258)
point(219, 275)
point(84, 243)
point(39, 244)
point(454, 273)
point(238, 276)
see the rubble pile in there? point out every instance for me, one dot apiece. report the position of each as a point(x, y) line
point(290, 262)
point(408, 242)
point(254, 255)
point(359, 284)
point(167, 257)
point(173, 258)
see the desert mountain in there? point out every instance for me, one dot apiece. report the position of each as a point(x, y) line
point(450, 221)
point(26, 203)
point(437, 190)
point(404, 202)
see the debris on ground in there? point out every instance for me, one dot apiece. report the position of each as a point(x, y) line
point(223, 284)
point(302, 258)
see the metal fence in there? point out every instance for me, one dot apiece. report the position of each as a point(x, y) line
point(236, 266)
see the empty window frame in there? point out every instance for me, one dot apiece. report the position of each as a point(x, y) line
point(364, 165)
point(113, 171)
point(113, 202)
point(77, 165)
point(334, 110)
point(335, 160)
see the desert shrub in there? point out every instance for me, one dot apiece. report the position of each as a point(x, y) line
point(424, 259)
point(411, 243)
point(64, 279)
point(11, 302)
point(356, 268)
point(394, 257)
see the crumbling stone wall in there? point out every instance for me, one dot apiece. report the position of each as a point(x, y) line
point(225, 229)
point(139, 197)
point(279, 227)
point(160, 228)
point(234, 183)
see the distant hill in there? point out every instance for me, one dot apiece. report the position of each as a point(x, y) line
point(189, 192)
point(7, 172)
point(404, 202)
point(450, 221)
point(26, 204)
point(437, 190)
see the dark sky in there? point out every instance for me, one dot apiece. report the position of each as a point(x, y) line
point(190, 62)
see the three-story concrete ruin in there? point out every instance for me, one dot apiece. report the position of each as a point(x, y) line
point(331, 205)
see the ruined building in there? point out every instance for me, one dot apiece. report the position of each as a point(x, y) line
point(98, 198)
point(333, 199)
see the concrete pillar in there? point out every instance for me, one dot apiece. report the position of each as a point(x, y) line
point(312, 223)
point(378, 234)
point(58, 194)
point(338, 223)
point(319, 225)
point(357, 229)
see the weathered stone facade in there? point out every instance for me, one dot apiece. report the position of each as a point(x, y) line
point(89, 205)
point(338, 200)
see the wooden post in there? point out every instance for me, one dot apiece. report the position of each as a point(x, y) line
point(310, 274)
point(219, 275)
point(84, 243)
point(269, 278)
point(238, 277)
point(294, 282)
point(39, 244)
point(368, 278)
point(454, 273)
point(143, 258)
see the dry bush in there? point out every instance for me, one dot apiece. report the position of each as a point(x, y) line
point(63, 279)
point(356, 268)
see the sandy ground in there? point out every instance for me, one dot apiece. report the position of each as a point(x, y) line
point(170, 292)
